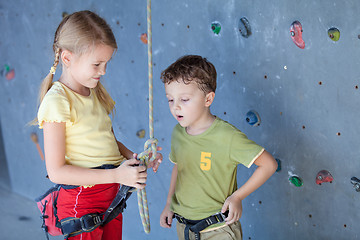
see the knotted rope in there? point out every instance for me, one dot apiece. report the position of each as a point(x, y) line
point(144, 156)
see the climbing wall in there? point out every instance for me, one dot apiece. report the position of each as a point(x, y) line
point(287, 77)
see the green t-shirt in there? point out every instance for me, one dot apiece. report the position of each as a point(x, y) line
point(207, 167)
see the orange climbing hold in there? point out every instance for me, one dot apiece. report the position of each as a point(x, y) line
point(144, 38)
point(35, 139)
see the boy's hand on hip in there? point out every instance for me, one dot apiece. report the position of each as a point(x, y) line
point(234, 205)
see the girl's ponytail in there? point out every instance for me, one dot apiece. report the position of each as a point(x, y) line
point(47, 82)
point(104, 98)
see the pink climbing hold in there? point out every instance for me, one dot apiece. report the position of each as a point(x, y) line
point(10, 74)
point(296, 34)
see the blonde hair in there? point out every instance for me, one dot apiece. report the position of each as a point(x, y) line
point(78, 33)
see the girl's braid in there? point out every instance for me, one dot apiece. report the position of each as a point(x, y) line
point(56, 60)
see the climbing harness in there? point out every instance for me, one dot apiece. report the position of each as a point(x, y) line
point(196, 226)
point(71, 226)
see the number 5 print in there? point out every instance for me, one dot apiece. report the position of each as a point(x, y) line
point(205, 162)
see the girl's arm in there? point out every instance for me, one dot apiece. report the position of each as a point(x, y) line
point(266, 167)
point(60, 172)
point(124, 150)
point(167, 215)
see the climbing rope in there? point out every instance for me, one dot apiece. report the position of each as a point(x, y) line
point(144, 156)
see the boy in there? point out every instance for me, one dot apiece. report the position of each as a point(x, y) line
point(206, 150)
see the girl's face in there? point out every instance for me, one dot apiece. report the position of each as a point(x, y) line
point(84, 71)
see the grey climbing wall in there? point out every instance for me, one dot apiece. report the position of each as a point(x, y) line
point(307, 100)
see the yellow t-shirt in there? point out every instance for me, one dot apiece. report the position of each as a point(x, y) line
point(89, 139)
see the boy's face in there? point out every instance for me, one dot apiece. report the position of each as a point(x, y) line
point(188, 104)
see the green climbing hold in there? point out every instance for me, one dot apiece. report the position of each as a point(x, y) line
point(334, 34)
point(216, 27)
point(296, 181)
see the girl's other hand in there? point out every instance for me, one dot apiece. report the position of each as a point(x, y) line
point(156, 162)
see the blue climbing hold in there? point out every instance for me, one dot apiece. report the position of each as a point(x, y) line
point(253, 118)
point(244, 27)
point(279, 164)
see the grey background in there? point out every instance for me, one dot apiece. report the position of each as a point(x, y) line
point(301, 118)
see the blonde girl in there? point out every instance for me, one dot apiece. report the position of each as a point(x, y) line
point(78, 136)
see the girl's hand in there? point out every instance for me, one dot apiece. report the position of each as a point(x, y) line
point(131, 174)
point(166, 217)
point(234, 205)
point(156, 162)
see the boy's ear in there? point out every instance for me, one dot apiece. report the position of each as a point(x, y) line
point(66, 57)
point(209, 98)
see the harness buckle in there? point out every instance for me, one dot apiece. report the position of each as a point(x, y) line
point(221, 216)
point(90, 221)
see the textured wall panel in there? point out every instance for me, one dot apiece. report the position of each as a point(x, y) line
point(307, 99)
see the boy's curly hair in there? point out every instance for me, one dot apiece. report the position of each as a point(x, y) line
point(192, 68)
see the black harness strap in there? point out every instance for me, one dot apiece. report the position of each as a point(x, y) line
point(72, 226)
point(196, 226)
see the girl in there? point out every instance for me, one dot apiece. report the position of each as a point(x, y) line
point(78, 136)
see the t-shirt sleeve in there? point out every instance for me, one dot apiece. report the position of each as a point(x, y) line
point(173, 142)
point(244, 150)
point(54, 108)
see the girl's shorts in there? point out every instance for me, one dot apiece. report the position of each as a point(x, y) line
point(84, 200)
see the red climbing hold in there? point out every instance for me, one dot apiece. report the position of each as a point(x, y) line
point(296, 34)
point(324, 176)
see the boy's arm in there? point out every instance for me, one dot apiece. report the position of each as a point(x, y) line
point(167, 215)
point(266, 167)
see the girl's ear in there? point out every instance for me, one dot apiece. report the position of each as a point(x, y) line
point(209, 98)
point(66, 57)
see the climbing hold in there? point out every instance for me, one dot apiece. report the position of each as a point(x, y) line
point(279, 164)
point(296, 181)
point(216, 27)
point(253, 118)
point(144, 38)
point(356, 182)
point(296, 34)
point(324, 176)
point(334, 34)
point(35, 139)
point(8, 73)
point(140, 133)
point(244, 27)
